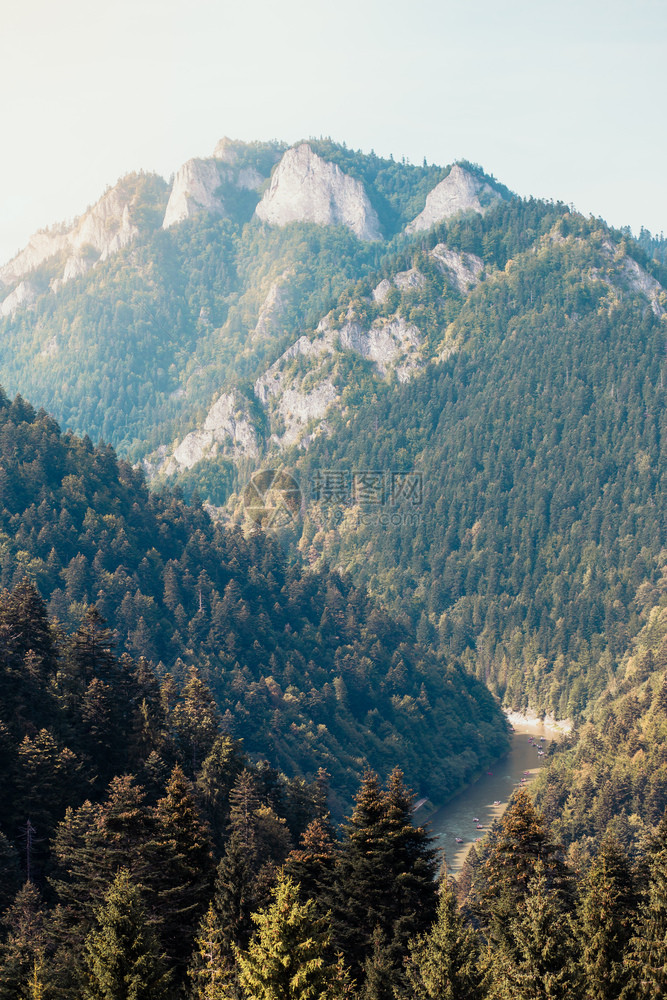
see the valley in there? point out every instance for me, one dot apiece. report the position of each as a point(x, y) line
point(315, 468)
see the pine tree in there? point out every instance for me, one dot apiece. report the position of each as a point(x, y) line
point(312, 864)
point(379, 975)
point(25, 943)
point(647, 953)
point(235, 896)
point(122, 954)
point(183, 875)
point(501, 883)
point(215, 779)
point(196, 720)
point(287, 955)
point(442, 964)
point(607, 910)
point(211, 971)
point(545, 964)
point(93, 843)
point(385, 874)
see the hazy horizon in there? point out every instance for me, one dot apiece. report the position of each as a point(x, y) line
point(557, 102)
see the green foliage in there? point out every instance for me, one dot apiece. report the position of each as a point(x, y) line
point(545, 964)
point(540, 442)
point(267, 640)
point(608, 908)
point(443, 963)
point(122, 956)
point(385, 874)
point(286, 958)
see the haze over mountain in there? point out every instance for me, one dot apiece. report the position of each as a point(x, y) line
point(427, 421)
point(324, 309)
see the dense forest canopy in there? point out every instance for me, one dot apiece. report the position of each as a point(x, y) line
point(303, 666)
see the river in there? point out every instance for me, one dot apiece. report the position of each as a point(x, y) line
point(487, 798)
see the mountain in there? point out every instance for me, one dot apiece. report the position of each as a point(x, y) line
point(304, 668)
point(340, 316)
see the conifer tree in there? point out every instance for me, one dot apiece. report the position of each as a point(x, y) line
point(235, 897)
point(379, 976)
point(122, 953)
point(287, 955)
point(211, 971)
point(196, 720)
point(442, 964)
point(312, 864)
point(647, 953)
point(94, 842)
point(607, 910)
point(544, 964)
point(385, 873)
point(24, 946)
point(215, 779)
point(501, 883)
point(183, 864)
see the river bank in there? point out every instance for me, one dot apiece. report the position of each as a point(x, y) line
point(465, 819)
point(523, 721)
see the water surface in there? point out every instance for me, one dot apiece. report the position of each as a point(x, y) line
point(487, 798)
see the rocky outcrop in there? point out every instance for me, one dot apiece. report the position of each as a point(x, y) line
point(101, 231)
point(272, 308)
point(298, 408)
point(23, 295)
point(194, 190)
point(197, 185)
point(409, 280)
point(306, 188)
point(462, 269)
point(227, 430)
point(639, 281)
point(461, 191)
point(623, 275)
point(381, 292)
point(389, 343)
point(298, 395)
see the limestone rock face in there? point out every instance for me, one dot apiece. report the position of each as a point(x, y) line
point(406, 280)
point(306, 188)
point(463, 269)
point(639, 280)
point(197, 183)
point(23, 295)
point(101, 231)
point(273, 307)
point(381, 292)
point(227, 430)
point(460, 191)
point(389, 343)
point(298, 398)
point(194, 190)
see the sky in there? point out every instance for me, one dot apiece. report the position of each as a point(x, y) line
point(560, 100)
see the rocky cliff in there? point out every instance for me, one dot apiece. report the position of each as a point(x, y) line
point(198, 187)
point(227, 430)
point(461, 191)
point(101, 231)
point(306, 188)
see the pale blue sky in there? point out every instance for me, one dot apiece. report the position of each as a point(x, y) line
point(557, 99)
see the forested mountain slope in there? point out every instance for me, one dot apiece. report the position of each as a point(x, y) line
point(540, 440)
point(330, 313)
point(304, 668)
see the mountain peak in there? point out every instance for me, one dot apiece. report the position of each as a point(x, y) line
point(460, 191)
point(108, 226)
point(307, 188)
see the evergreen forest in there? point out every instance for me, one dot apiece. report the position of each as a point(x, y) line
point(222, 732)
